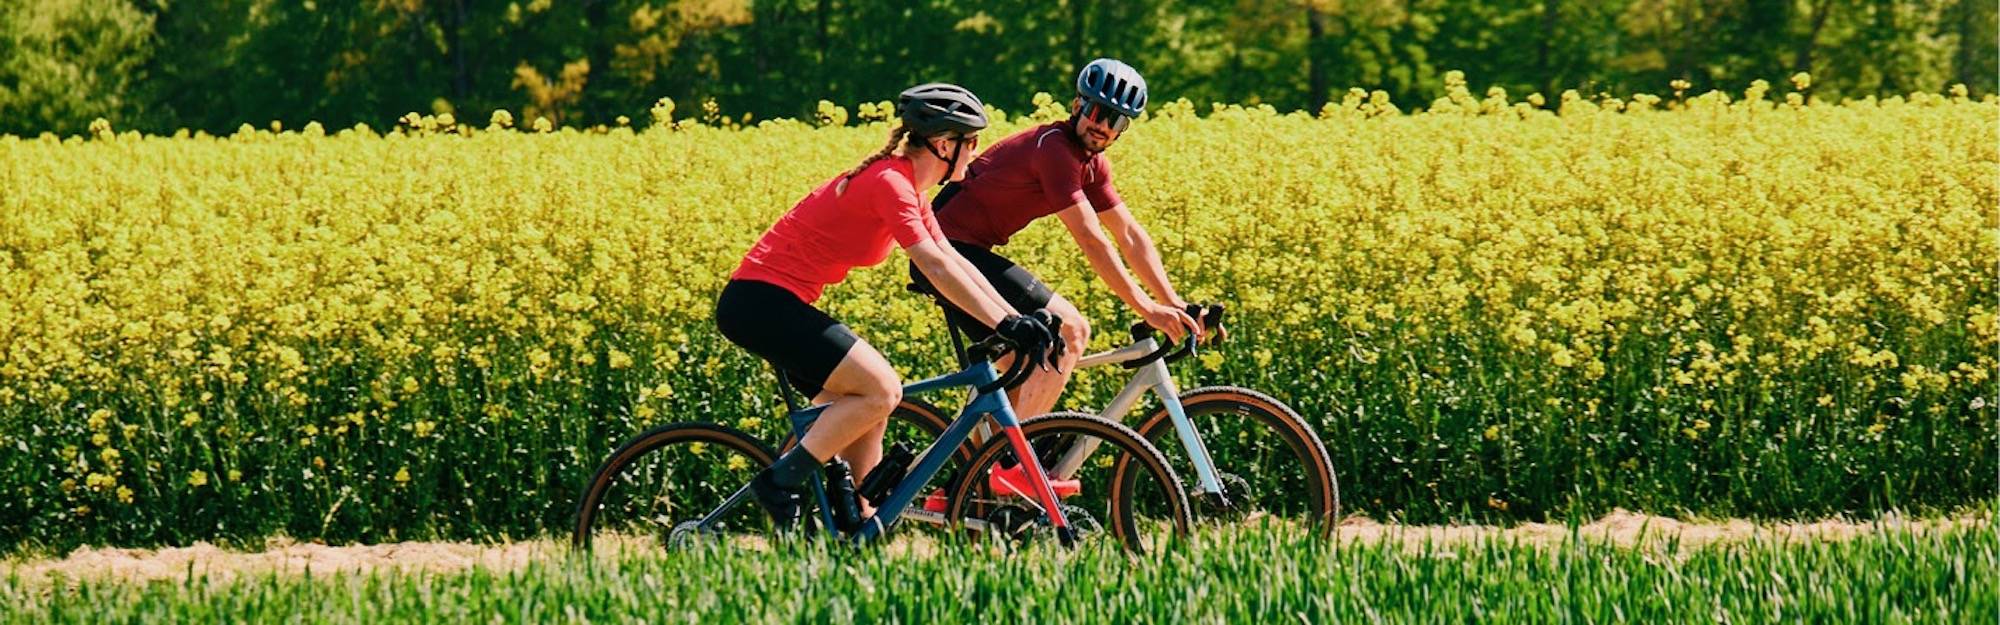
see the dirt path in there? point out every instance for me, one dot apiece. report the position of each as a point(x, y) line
point(1624, 529)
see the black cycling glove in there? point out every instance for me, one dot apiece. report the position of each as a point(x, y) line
point(1056, 344)
point(1031, 337)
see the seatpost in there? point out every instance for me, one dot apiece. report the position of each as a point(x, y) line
point(957, 341)
point(792, 404)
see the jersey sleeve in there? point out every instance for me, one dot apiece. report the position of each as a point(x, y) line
point(900, 207)
point(1060, 174)
point(1097, 186)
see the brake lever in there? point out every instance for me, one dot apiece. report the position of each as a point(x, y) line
point(1210, 317)
point(1057, 345)
point(1014, 374)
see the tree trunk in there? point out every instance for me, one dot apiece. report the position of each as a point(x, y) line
point(1315, 66)
point(1962, 70)
point(1802, 60)
point(1076, 33)
point(825, 40)
point(1886, 38)
point(1543, 45)
point(597, 14)
point(461, 76)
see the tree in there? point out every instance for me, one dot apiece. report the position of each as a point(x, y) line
point(64, 63)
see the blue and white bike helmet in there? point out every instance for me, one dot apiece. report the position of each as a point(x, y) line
point(1111, 86)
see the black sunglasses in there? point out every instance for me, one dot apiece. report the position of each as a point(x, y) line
point(1104, 115)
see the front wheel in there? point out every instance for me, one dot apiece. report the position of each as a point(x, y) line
point(1271, 464)
point(1126, 494)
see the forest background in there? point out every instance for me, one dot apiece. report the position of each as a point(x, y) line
point(212, 65)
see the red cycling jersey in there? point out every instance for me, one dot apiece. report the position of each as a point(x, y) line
point(828, 233)
point(1033, 174)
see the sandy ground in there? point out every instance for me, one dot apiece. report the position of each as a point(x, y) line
point(1624, 529)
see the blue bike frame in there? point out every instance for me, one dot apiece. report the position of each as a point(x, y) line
point(995, 403)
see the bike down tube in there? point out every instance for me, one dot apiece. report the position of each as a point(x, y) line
point(803, 419)
point(1066, 467)
point(940, 452)
point(1155, 377)
point(927, 467)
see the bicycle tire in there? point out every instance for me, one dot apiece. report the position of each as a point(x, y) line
point(1134, 456)
point(1308, 451)
point(647, 443)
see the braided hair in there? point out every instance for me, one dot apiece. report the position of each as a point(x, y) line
point(897, 136)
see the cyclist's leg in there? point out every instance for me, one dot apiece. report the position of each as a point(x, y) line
point(1037, 395)
point(824, 359)
point(1025, 293)
point(860, 393)
point(864, 390)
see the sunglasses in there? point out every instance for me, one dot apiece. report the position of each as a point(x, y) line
point(1102, 114)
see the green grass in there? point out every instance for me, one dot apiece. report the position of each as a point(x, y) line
point(1252, 577)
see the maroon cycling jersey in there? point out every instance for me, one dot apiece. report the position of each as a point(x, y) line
point(1033, 174)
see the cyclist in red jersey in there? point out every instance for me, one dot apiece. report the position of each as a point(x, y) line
point(1059, 169)
point(851, 221)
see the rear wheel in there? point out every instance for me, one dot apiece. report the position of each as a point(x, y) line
point(1127, 493)
point(1272, 466)
point(655, 488)
point(916, 425)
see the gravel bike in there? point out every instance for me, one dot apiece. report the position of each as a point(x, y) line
point(685, 482)
point(1253, 457)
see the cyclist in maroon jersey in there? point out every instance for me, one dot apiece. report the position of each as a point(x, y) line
point(852, 221)
point(1059, 169)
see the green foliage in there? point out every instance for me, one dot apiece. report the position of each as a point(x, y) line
point(1894, 576)
point(64, 63)
point(213, 64)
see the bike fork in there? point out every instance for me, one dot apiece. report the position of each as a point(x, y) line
point(1043, 491)
point(1157, 378)
point(1204, 464)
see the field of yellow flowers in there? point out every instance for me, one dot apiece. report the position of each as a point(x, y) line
point(1732, 304)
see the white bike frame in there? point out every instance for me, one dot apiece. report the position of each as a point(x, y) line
point(1152, 376)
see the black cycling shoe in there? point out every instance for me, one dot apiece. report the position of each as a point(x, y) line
point(785, 505)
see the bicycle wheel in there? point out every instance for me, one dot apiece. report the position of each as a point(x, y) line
point(656, 486)
point(1126, 493)
point(1273, 468)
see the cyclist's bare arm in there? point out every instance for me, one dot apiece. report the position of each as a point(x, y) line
point(953, 278)
point(1138, 250)
point(986, 286)
point(1083, 226)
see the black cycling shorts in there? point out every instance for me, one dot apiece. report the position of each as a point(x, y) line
point(1021, 289)
point(771, 322)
